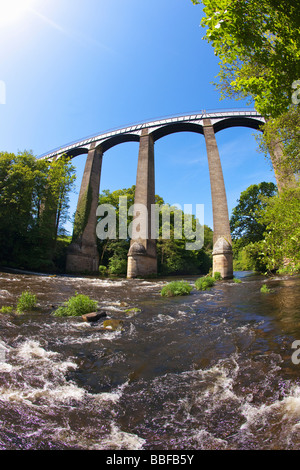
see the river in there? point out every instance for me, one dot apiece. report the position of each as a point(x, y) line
point(212, 370)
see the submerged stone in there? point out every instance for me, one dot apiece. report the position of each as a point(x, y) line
point(113, 324)
point(132, 309)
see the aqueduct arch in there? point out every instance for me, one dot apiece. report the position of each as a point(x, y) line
point(142, 260)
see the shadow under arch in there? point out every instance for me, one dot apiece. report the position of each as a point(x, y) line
point(249, 122)
point(116, 140)
point(75, 152)
point(176, 127)
point(225, 123)
point(105, 145)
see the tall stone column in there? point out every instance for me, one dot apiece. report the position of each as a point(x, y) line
point(142, 257)
point(285, 178)
point(222, 250)
point(82, 253)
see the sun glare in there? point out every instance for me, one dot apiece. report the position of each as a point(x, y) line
point(12, 10)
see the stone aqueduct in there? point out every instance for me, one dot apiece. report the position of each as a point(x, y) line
point(142, 259)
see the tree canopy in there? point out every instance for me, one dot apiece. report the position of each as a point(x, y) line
point(266, 230)
point(33, 208)
point(244, 222)
point(258, 44)
point(281, 246)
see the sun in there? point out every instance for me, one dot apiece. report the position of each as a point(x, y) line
point(12, 10)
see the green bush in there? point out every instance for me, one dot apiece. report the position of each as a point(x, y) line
point(117, 266)
point(176, 288)
point(265, 289)
point(290, 269)
point(26, 302)
point(76, 306)
point(204, 283)
point(102, 270)
point(217, 276)
point(6, 309)
point(236, 280)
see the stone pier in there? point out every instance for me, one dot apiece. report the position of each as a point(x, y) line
point(142, 257)
point(82, 253)
point(222, 249)
point(285, 177)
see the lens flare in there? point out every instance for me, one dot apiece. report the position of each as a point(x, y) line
point(12, 10)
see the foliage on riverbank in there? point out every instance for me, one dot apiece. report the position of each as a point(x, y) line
point(276, 247)
point(33, 208)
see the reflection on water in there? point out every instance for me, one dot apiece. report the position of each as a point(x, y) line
point(212, 370)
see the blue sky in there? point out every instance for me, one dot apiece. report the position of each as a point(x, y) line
point(73, 69)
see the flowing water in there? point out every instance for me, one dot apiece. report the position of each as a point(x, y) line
point(212, 370)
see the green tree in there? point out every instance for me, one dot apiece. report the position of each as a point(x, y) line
point(281, 246)
point(28, 190)
point(245, 223)
point(247, 227)
point(265, 227)
point(21, 183)
point(54, 209)
point(258, 44)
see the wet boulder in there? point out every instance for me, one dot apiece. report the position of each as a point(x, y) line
point(94, 316)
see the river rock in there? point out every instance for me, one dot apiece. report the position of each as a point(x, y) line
point(93, 316)
point(113, 324)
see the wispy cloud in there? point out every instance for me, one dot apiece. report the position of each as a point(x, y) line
point(49, 21)
point(71, 34)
